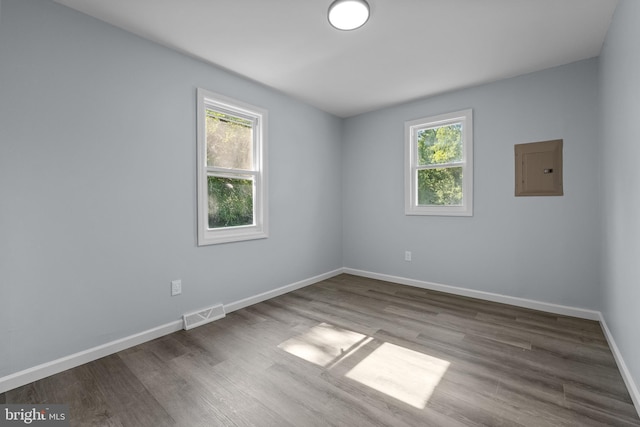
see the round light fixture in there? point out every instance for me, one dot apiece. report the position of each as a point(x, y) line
point(348, 14)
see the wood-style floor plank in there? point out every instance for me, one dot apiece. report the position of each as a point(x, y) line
point(352, 351)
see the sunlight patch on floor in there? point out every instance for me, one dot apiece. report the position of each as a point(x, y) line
point(403, 374)
point(323, 344)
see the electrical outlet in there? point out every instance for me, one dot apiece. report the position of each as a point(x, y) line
point(407, 255)
point(176, 287)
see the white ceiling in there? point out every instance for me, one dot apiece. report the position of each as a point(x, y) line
point(409, 48)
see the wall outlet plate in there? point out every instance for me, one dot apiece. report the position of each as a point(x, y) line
point(176, 287)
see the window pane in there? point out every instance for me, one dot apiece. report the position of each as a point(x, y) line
point(230, 201)
point(229, 141)
point(441, 186)
point(440, 145)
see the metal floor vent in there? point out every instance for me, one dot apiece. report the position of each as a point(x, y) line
point(200, 317)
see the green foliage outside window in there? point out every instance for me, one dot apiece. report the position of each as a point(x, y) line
point(440, 145)
point(230, 202)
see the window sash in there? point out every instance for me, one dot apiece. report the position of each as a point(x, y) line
point(255, 132)
point(415, 136)
point(440, 166)
point(231, 172)
point(254, 178)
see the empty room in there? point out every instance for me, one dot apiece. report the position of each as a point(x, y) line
point(319, 213)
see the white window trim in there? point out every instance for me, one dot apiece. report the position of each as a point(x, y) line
point(411, 129)
point(259, 230)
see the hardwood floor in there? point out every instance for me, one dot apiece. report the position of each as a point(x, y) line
point(351, 351)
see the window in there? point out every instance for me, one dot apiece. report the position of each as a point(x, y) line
point(439, 165)
point(232, 179)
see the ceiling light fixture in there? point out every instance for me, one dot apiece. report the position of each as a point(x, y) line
point(348, 14)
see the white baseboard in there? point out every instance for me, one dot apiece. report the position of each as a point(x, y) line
point(582, 313)
point(50, 368)
point(44, 370)
point(624, 371)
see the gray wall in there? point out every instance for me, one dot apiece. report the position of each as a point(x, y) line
point(542, 248)
point(97, 187)
point(620, 198)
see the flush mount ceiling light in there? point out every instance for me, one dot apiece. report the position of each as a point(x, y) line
point(348, 14)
